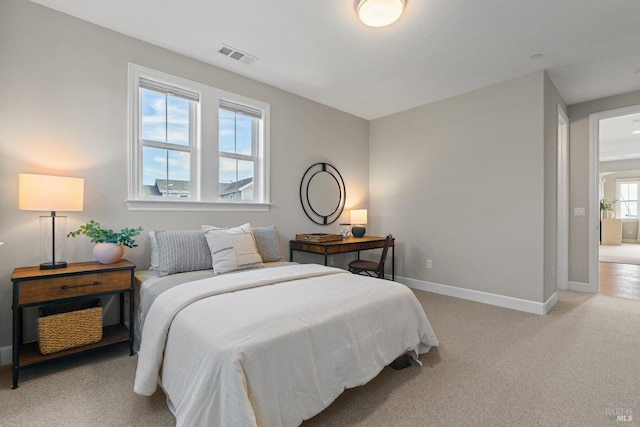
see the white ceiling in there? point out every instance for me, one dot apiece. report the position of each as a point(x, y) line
point(437, 49)
point(617, 138)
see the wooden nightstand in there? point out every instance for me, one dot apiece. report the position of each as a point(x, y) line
point(78, 281)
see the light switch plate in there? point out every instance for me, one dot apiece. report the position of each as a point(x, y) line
point(579, 212)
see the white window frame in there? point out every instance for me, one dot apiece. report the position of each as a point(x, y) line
point(619, 203)
point(204, 173)
point(256, 149)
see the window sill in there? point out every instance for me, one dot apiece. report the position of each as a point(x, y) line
point(181, 205)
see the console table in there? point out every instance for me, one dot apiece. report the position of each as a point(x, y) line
point(611, 231)
point(350, 244)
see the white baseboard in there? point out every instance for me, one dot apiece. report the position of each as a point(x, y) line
point(549, 303)
point(579, 287)
point(483, 297)
point(6, 356)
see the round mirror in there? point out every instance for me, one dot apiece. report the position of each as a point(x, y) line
point(322, 193)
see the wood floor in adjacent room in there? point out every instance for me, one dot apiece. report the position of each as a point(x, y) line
point(620, 280)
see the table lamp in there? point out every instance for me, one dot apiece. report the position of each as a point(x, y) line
point(358, 219)
point(50, 193)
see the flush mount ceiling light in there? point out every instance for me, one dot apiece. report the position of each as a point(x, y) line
point(379, 13)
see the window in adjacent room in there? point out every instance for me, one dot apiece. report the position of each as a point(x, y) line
point(627, 204)
point(194, 146)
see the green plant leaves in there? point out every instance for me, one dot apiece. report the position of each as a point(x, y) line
point(94, 231)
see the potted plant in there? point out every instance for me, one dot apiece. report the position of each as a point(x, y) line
point(606, 207)
point(109, 243)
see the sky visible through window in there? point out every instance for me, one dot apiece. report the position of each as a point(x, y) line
point(166, 118)
point(235, 136)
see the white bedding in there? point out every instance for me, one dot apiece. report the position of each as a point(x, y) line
point(276, 346)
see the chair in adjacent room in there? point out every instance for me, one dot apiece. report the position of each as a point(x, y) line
point(371, 268)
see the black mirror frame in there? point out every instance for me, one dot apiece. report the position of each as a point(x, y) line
point(314, 216)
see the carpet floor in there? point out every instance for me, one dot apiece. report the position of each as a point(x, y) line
point(626, 253)
point(577, 366)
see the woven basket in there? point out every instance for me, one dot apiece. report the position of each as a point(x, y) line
point(65, 326)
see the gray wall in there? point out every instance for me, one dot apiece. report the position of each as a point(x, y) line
point(63, 110)
point(468, 182)
point(461, 182)
point(579, 177)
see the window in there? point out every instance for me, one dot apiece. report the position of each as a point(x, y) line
point(167, 134)
point(239, 139)
point(627, 204)
point(195, 146)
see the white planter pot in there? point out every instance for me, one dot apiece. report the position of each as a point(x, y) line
point(108, 253)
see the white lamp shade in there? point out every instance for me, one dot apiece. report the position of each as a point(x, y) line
point(358, 216)
point(379, 13)
point(50, 193)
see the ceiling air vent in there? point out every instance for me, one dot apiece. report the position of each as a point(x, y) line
point(236, 54)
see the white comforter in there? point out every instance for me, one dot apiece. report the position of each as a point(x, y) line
point(274, 347)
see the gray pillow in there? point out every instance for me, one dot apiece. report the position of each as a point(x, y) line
point(268, 243)
point(179, 251)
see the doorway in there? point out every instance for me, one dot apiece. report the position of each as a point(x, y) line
point(562, 203)
point(614, 136)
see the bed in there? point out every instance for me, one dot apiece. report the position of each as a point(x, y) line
point(271, 343)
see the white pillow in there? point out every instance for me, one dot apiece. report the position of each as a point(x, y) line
point(232, 248)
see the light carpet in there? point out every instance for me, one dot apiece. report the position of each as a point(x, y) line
point(626, 253)
point(577, 366)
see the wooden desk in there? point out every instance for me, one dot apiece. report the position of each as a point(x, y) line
point(350, 244)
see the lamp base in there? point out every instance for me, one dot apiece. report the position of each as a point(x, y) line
point(358, 230)
point(53, 265)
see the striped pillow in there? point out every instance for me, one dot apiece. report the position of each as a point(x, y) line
point(178, 251)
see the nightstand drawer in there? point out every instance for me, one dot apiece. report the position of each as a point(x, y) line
point(45, 289)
